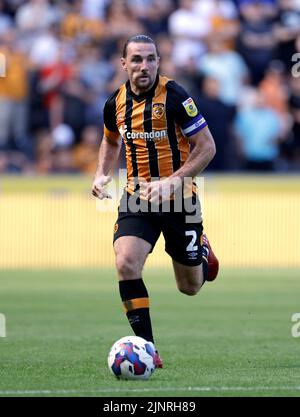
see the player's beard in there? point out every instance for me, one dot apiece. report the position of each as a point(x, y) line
point(146, 83)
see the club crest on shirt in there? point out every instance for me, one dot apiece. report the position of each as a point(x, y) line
point(190, 107)
point(158, 110)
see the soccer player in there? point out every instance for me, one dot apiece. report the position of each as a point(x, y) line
point(158, 121)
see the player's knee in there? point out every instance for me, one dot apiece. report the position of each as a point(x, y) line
point(190, 289)
point(126, 266)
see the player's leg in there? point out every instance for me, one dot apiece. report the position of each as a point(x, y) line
point(134, 238)
point(193, 259)
point(189, 279)
point(131, 253)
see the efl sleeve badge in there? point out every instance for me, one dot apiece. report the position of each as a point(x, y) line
point(190, 107)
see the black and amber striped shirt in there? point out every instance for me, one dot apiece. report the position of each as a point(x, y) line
point(155, 127)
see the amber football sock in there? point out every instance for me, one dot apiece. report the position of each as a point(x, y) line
point(135, 299)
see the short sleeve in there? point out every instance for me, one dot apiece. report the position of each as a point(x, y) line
point(109, 116)
point(186, 112)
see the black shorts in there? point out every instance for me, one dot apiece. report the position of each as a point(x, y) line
point(181, 226)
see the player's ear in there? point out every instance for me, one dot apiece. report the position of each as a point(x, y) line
point(123, 63)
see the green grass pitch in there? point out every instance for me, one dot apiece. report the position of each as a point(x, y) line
point(232, 339)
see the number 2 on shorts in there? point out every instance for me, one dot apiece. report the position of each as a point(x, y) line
point(191, 246)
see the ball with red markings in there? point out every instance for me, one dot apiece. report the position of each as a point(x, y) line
point(132, 357)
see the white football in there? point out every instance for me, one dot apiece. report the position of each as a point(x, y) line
point(132, 357)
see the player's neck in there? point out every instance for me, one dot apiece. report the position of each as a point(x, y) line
point(139, 91)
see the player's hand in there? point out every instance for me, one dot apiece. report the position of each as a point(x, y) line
point(98, 189)
point(158, 191)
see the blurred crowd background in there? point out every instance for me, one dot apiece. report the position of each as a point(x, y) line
point(60, 61)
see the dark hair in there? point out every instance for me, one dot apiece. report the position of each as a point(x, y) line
point(138, 39)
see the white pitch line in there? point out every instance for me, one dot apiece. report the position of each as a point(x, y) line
point(141, 390)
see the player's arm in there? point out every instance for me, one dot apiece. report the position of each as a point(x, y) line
point(109, 149)
point(203, 152)
point(108, 155)
point(194, 127)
